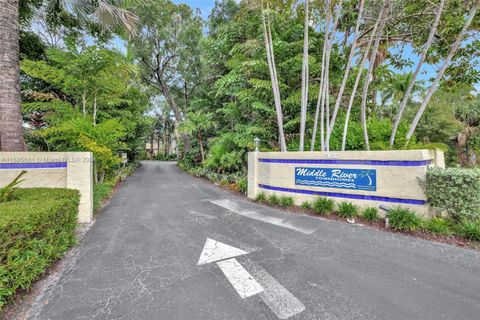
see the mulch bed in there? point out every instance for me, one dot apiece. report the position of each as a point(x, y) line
point(380, 225)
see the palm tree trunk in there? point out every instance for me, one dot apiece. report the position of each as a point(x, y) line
point(95, 110)
point(347, 71)
point(421, 60)
point(321, 91)
point(11, 129)
point(382, 17)
point(361, 66)
point(434, 85)
point(273, 75)
point(327, 71)
point(303, 111)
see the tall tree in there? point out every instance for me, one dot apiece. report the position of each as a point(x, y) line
point(167, 49)
point(347, 70)
point(267, 34)
point(11, 130)
point(421, 60)
point(434, 86)
point(304, 102)
point(371, 63)
point(360, 67)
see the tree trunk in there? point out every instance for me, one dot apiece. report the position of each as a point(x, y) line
point(423, 55)
point(95, 110)
point(361, 66)
point(320, 94)
point(434, 85)
point(327, 77)
point(347, 71)
point(11, 128)
point(382, 17)
point(84, 103)
point(273, 75)
point(200, 142)
point(304, 102)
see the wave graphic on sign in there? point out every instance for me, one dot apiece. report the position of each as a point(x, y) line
point(326, 184)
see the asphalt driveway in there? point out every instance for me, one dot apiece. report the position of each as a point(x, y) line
point(170, 246)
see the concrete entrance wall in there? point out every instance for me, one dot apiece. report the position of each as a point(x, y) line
point(365, 178)
point(72, 170)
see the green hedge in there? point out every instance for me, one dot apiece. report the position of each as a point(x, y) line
point(456, 191)
point(36, 228)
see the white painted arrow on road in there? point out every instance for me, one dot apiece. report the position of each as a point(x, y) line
point(282, 303)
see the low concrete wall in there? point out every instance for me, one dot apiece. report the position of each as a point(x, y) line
point(72, 170)
point(365, 178)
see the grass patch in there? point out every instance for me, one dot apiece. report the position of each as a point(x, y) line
point(371, 214)
point(404, 219)
point(36, 228)
point(286, 201)
point(261, 197)
point(438, 225)
point(274, 200)
point(102, 191)
point(469, 229)
point(306, 205)
point(322, 205)
point(347, 210)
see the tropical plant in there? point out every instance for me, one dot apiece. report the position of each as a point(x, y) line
point(323, 205)
point(401, 218)
point(371, 214)
point(7, 191)
point(347, 210)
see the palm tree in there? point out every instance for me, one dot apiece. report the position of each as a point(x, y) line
point(11, 129)
point(198, 122)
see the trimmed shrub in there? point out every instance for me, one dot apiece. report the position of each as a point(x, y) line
point(323, 205)
point(371, 214)
point(242, 184)
point(36, 229)
point(286, 201)
point(469, 229)
point(273, 199)
point(456, 191)
point(261, 197)
point(306, 205)
point(347, 210)
point(401, 218)
point(438, 225)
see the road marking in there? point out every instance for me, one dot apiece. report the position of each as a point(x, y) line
point(216, 251)
point(282, 303)
point(285, 223)
point(204, 215)
point(240, 279)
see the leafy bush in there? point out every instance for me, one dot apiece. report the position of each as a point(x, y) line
point(455, 190)
point(371, 214)
point(438, 225)
point(401, 218)
point(347, 210)
point(469, 229)
point(242, 184)
point(322, 205)
point(6, 192)
point(273, 199)
point(36, 229)
point(102, 191)
point(306, 205)
point(261, 197)
point(286, 201)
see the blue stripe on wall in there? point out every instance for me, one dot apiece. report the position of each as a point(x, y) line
point(394, 163)
point(44, 165)
point(344, 195)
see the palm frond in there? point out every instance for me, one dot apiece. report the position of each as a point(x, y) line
point(110, 15)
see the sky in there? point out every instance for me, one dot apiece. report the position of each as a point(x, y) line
point(205, 6)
